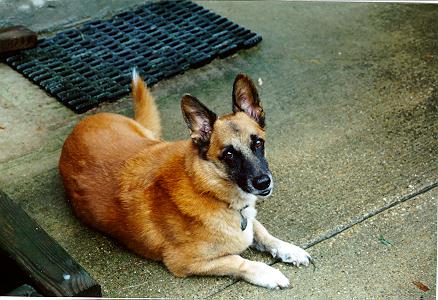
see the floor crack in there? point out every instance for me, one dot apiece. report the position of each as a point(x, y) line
point(359, 219)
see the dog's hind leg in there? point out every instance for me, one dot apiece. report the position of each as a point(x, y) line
point(146, 112)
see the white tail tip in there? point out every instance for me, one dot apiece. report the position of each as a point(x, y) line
point(135, 76)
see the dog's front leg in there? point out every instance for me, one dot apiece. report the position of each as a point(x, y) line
point(257, 273)
point(287, 252)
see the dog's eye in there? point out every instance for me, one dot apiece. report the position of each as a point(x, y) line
point(228, 155)
point(258, 143)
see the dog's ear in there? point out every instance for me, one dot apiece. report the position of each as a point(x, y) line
point(246, 99)
point(199, 119)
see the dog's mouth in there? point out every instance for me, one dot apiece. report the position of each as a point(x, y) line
point(265, 193)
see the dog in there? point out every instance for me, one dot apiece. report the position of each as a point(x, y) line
point(190, 203)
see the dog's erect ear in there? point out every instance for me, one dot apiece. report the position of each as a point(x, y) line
point(246, 99)
point(199, 119)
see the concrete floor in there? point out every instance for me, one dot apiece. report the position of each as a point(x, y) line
point(351, 96)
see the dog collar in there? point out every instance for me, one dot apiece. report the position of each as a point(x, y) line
point(243, 219)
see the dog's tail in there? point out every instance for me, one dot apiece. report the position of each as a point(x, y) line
point(146, 112)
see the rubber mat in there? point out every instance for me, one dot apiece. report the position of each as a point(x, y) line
point(85, 66)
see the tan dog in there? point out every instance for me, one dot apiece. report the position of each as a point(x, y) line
point(188, 203)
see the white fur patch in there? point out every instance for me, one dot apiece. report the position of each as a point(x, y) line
point(249, 199)
point(135, 76)
point(248, 233)
point(291, 254)
point(263, 275)
point(249, 213)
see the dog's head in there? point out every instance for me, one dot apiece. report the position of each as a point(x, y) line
point(235, 143)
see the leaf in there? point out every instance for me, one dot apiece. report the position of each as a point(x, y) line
point(421, 286)
point(384, 241)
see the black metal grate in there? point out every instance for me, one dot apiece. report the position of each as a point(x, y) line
point(86, 66)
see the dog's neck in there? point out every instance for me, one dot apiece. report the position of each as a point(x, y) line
point(242, 200)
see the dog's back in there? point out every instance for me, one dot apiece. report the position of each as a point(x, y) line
point(120, 177)
point(94, 154)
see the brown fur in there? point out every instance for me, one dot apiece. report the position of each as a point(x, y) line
point(161, 199)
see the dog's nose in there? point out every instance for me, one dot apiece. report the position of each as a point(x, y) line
point(262, 182)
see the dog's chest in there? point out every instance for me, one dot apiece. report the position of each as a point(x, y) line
point(247, 216)
point(230, 237)
point(247, 235)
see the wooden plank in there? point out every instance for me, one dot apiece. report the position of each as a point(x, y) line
point(16, 38)
point(24, 291)
point(11, 275)
point(51, 270)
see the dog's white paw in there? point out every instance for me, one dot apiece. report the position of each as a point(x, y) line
point(291, 254)
point(263, 275)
